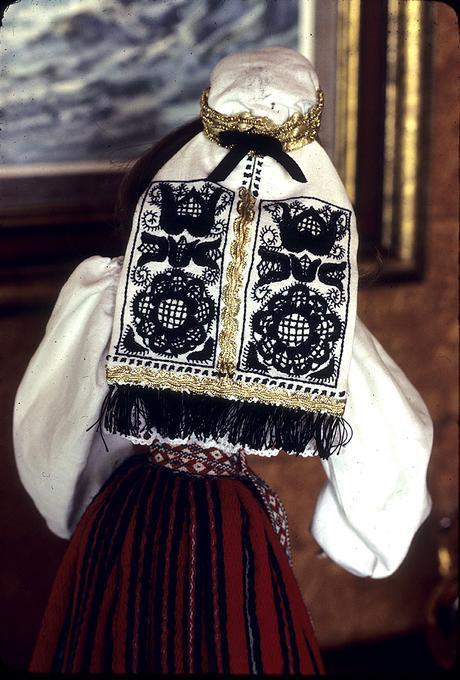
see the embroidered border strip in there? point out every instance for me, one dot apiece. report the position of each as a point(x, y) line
point(232, 288)
point(223, 386)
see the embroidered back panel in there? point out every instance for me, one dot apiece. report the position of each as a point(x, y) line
point(265, 284)
point(296, 297)
point(172, 292)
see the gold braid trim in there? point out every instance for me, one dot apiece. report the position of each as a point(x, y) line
point(231, 297)
point(295, 132)
point(222, 386)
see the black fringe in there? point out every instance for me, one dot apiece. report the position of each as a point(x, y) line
point(134, 411)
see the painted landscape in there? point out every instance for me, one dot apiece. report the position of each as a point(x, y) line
point(104, 79)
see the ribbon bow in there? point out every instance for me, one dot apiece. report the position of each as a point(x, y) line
point(261, 145)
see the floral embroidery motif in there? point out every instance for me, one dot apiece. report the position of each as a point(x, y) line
point(190, 209)
point(299, 286)
point(295, 332)
point(173, 317)
point(172, 293)
point(305, 227)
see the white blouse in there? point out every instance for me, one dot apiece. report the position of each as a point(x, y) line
point(366, 515)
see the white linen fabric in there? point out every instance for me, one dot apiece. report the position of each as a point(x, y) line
point(272, 82)
point(61, 463)
point(376, 496)
point(366, 515)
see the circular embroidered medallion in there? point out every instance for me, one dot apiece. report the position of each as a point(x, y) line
point(296, 331)
point(173, 316)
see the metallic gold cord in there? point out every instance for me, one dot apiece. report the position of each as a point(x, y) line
point(295, 132)
point(223, 386)
point(232, 288)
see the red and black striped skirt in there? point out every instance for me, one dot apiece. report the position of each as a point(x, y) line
point(178, 566)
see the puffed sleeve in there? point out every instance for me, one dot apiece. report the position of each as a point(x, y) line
point(61, 463)
point(376, 496)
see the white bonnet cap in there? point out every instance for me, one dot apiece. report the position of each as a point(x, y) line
point(274, 82)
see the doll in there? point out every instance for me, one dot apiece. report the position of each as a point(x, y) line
point(227, 329)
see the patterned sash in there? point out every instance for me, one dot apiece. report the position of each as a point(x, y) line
point(193, 459)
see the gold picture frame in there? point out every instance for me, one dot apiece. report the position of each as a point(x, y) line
point(398, 229)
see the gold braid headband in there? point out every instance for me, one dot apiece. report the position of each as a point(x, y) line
point(295, 132)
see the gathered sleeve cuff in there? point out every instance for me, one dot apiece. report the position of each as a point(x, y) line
point(376, 495)
point(61, 463)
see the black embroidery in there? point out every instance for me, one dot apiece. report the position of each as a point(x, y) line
point(175, 270)
point(304, 269)
point(129, 343)
point(252, 359)
point(272, 267)
point(207, 253)
point(334, 297)
point(338, 252)
point(297, 329)
point(295, 332)
point(323, 374)
point(149, 220)
point(332, 274)
point(275, 266)
point(202, 354)
point(291, 321)
point(153, 249)
point(271, 237)
point(193, 210)
point(256, 176)
point(306, 228)
point(178, 252)
point(174, 315)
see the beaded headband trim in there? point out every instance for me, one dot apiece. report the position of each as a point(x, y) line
point(297, 131)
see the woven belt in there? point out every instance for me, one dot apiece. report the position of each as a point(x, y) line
point(193, 459)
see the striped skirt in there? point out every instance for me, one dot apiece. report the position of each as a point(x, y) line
point(180, 564)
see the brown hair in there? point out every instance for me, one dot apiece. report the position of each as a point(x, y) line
point(138, 177)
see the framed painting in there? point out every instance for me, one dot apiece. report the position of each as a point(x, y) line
point(87, 88)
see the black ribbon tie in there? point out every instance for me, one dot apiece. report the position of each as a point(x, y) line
point(261, 145)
